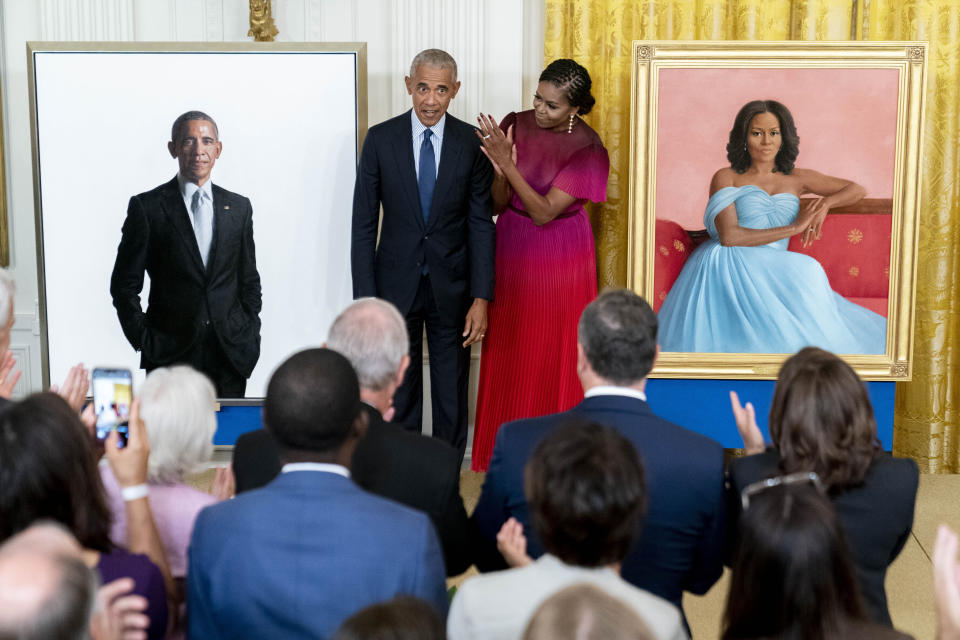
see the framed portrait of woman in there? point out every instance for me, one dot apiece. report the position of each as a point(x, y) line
point(774, 197)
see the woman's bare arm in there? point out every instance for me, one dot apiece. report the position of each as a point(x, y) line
point(728, 226)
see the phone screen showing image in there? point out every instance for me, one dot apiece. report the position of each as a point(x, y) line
point(112, 395)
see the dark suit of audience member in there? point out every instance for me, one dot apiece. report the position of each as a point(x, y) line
point(876, 516)
point(299, 556)
point(821, 420)
point(434, 260)
point(204, 300)
point(412, 469)
point(681, 543)
point(792, 576)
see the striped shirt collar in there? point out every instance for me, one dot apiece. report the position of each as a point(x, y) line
point(419, 127)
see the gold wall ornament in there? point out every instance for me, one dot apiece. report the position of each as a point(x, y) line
point(262, 27)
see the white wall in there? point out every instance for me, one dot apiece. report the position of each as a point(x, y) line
point(498, 45)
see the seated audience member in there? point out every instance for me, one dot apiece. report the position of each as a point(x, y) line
point(403, 618)
point(585, 488)
point(178, 408)
point(584, 612)
point(45, 556)
point(296, 558)
point(44, 594)
point(682, 543)
point(946, 584)
point(792, 576)
point(821, 420)
point(48, 471)
point(415, 470)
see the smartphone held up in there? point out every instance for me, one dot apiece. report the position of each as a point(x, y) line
point(112, 397)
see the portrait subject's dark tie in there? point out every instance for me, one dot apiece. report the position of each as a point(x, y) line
point(428, 174)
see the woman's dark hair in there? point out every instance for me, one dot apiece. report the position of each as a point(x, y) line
point(821, 419)
point(48, 472)
point(586, 491)
point(792, 576)
point(737, 152)
point(403, 618)
point(573, 80)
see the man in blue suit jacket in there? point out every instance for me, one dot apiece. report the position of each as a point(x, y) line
point(682, 538)
point(297, 557)
point(434, 258)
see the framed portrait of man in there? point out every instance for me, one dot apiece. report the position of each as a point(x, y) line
point(156, 257)
point(774, 201)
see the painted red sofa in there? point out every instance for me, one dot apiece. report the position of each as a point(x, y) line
point(854, 250)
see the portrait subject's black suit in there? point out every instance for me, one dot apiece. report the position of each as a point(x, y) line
point(455, 244)
point(189, 305)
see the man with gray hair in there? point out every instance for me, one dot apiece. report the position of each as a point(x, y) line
point(409, 468)
point(435, 256)
point(681, 545)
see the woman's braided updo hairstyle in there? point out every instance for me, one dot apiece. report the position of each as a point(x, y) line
point(574, 80)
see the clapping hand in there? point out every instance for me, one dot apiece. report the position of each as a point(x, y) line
point(8, 375)
point(946, 584)
point(512, 544)
point(74, 387)
point(499, 148)
point(746, 418)
point(119, 613)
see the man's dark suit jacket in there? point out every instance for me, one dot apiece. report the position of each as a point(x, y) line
point(411, 469)
point(876, 516)
point(158, 239)
point(683, 532)
point(456, 242)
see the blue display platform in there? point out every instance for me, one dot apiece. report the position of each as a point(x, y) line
point(704, 406)
point(700, 405)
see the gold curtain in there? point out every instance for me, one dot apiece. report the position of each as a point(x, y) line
point(598, 34)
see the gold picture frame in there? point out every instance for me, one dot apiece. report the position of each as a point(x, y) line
point(689, 77)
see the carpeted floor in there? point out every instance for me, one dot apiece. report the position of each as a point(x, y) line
point(909, 580)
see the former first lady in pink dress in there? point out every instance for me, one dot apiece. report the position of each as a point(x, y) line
point(548, 163)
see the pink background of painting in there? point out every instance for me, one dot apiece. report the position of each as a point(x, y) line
point(846, 120)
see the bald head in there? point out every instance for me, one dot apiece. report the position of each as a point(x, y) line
point(372, 335)
point(46, 591)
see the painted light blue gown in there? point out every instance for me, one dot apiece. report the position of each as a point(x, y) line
point(762, 299)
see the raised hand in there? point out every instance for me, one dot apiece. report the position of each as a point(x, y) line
point(9, 375)
point(74, 387)
point(946, 584)
point(746, 419)
point(499, 148)
point(512, 544)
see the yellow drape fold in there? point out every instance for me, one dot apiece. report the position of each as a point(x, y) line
point(598, 34)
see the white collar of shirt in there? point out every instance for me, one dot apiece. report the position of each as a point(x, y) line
point(610, 390)
point(187, 189)
point(325, 467)
point(419, 128)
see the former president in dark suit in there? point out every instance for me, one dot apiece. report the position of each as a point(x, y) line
point(434, 261)
point(195, 240)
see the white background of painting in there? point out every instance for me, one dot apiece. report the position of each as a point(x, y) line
point(288, 126)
